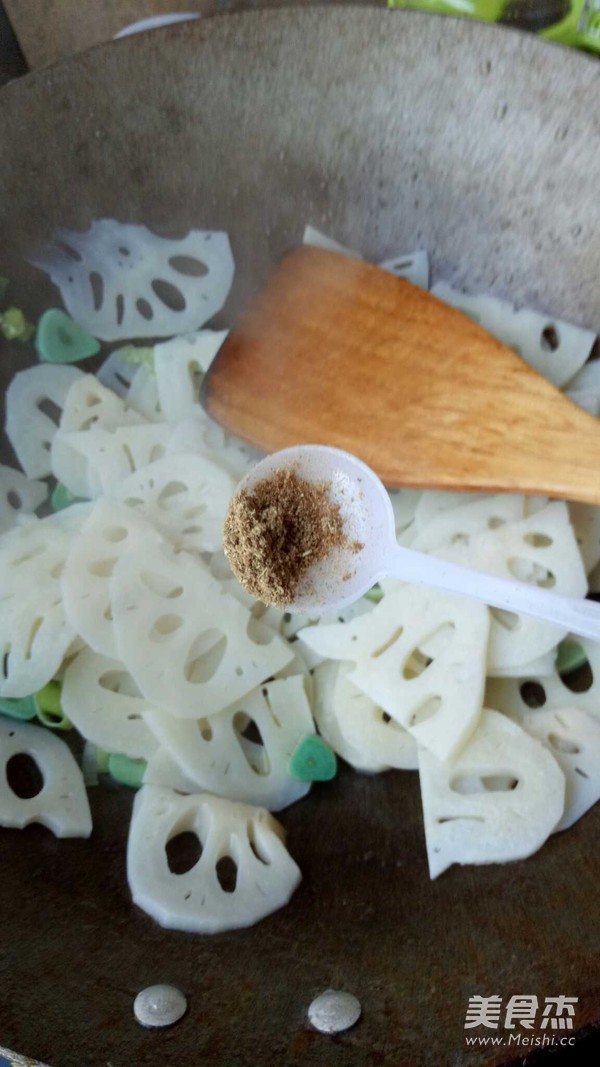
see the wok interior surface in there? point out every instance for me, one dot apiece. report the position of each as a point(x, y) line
point(390, 131)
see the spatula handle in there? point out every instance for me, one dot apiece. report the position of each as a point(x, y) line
point(577, 616)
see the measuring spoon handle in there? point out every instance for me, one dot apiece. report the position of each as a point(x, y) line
point(576, 616)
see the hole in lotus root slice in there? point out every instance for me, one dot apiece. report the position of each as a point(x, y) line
point(414, 266)
point(533, 693)
point(525, 570)
point(420, 659)
point(226, 870)
point(24, 776)
point(188, 265)
point(170, 295)
point(487, 783)
point(251, 742)
point(117, 374)
point(184, 851)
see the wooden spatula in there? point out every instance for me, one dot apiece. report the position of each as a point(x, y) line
point(335, 351)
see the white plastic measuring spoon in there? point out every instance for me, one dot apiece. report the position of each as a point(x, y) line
point(368, 518)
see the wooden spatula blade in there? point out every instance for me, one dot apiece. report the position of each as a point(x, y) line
point(335, 351)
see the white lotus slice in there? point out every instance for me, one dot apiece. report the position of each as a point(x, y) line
point(585, 520)
point(89, 764)
point(540, 549)
point(404, 504)
point(108, 458)
point(132, 382)
point(292, 626)
point(70, 466)
point(103, 702)
point(142, 395)
point(499, 800)
point(433, 502)
point(458, 525)
point(317, 239)
point(62, 803)
point(221, 756)
point(248, 837)
point(110, 531)
point(413, 266)
point(234, 589)
point(117, 374)
point(327, 719)
point(127, 449)
point(192, 649)
point(177, 364)
point(573, 738)
point(90, 405)
point(542, 667)
point(584, 388)
point(594, 579)
point(298, 665)
point(198, 433)
point(360, 732)
point(164, 771)
point(185, 497)
point(586, 400)
point(19, 496)
point(237, 457)
point(35, 634)
point(534, 504)
point(517, 697)
point(34, 402)
point(554, 348)
point(436, 694)
point(120, 280)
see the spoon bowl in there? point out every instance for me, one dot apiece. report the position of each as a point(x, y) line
point(373, 552)
point(347, 573)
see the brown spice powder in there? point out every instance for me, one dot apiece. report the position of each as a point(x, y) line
point(274, 534)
